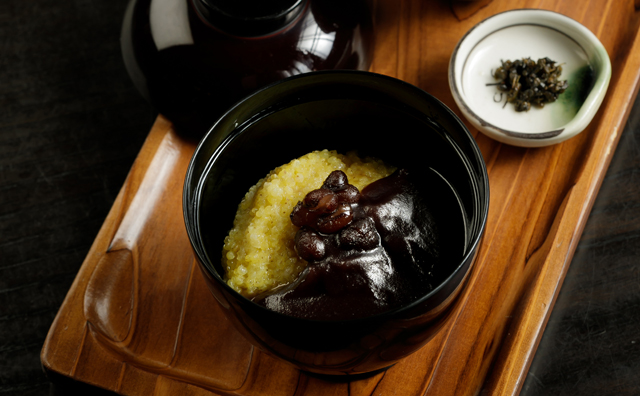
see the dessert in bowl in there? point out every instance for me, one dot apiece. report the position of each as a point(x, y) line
point(336, 114)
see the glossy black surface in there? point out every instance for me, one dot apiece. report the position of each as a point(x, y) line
point(376, 115)
point(250, 18)
point(71, 125)
point(192, 60)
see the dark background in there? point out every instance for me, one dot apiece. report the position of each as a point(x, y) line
point(71, 124)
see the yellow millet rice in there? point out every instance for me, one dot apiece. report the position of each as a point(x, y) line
point(259, 253)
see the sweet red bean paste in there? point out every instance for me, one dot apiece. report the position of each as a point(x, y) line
point(369, 251)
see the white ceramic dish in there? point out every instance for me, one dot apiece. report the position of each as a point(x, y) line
point(534, 34)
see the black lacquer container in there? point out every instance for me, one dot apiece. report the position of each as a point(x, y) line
point(193, 59)
point(336, 110)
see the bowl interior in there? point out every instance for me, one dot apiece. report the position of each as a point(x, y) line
point(531, 34)
point(352, 111)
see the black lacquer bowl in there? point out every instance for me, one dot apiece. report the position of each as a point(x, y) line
point(337, 110)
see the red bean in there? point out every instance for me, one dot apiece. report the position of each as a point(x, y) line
point(309, 244)
point(349, 194)
point(327, 209)
point(335, 221)
point(336, 180)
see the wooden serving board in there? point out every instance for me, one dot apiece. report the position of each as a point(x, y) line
point(139, 319)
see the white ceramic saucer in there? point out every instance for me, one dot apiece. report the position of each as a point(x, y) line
point(531, 34)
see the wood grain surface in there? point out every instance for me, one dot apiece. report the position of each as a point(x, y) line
point(139, 320)
point(586, 348)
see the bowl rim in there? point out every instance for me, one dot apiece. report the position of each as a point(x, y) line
point(598, 58)
point(188, 200)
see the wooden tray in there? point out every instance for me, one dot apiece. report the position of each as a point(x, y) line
point(139, 320)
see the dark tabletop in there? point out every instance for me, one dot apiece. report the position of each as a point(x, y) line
point(71, 124)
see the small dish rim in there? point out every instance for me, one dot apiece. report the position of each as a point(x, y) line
point(597, 55)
